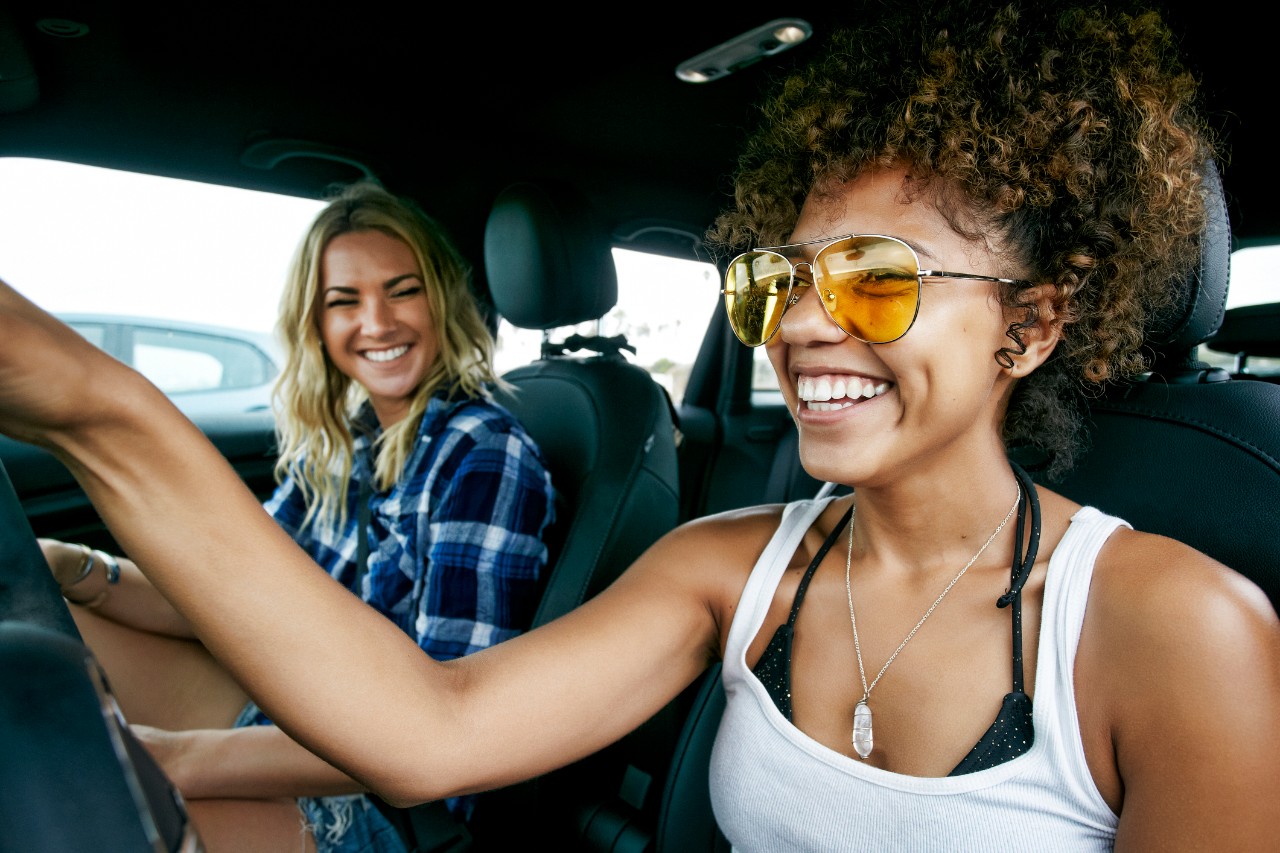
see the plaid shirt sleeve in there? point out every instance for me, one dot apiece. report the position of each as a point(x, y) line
point(485, 504)
point(288, 508)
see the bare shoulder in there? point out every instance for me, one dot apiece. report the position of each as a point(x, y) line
point(1178, 692)
point(761, 520)
point(708, 559)
point(1162, 616)
point(717, 543)
point(1145, 581)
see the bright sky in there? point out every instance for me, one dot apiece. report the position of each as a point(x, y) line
point(1254, 278)
point(87, 239)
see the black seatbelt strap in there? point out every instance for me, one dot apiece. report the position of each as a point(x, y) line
point(362, 536)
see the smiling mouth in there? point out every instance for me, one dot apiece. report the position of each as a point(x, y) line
point(381, 355)
point(829, 393)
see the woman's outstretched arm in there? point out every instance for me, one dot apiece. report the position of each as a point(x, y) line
point(365, 698)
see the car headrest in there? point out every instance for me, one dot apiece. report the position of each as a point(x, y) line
point(548, 257)
point(1198, 314)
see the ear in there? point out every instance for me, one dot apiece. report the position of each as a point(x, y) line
point(1037, 327)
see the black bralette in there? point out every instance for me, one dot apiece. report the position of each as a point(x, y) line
point(1012, 732)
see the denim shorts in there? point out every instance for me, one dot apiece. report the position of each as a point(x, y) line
point(344, 824)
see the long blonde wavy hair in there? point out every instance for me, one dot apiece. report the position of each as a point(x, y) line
point(315, 402)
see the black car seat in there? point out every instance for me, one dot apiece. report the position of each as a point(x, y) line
point(1185, 451)
point(607, 433)
point(75, 778)
point(605, 427)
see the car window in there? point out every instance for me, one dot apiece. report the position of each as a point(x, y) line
point(86, 239)
point(1254, 281)
point(181, 361)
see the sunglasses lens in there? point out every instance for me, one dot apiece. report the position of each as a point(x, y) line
point(869, 286)
point(755, 295)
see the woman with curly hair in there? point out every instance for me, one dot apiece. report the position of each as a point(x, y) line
point(948, 228)
point(383, 412)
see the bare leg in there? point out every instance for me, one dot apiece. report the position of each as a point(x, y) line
point(161, 681)
point(251, 826)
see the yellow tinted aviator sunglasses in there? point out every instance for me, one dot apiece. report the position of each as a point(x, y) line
point(869, 285)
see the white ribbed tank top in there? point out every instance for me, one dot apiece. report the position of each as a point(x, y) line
point(774, 789)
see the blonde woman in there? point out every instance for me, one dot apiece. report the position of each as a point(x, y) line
point(383, 412)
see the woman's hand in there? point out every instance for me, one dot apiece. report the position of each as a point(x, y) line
point(66, 561)
point(168, 749)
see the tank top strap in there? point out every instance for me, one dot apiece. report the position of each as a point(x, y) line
point(774, 667)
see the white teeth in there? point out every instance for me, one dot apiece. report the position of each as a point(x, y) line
point(828, 393)
point(386, 354)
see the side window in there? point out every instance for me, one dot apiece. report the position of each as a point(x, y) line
point(1253, 282)
point(179, 278)
point(179, 361)
point(664, 305)
point(763, 376)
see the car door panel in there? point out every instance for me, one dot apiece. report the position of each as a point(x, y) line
point(58, 508)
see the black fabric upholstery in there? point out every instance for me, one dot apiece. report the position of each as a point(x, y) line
point(1198, 314)
point(788, 481)
point(28, 592)
point(607, 436)
point(1196, 462)
point(604, 426)
point(1249, 330)
point(685, 819)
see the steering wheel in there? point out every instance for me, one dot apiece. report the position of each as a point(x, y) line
point(75, 777)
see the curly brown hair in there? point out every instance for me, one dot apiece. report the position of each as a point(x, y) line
point(1071, 134)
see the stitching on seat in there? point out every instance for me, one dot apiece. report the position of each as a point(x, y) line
point(1156, 414)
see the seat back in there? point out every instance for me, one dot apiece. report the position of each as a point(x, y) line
point(76, 779)
point(604, 425)
point(607, 433)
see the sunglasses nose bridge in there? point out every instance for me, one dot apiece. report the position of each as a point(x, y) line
point(797, 282)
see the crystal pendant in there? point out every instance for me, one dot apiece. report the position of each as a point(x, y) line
point(862, 739)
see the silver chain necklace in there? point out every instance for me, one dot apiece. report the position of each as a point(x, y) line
point(863, 740)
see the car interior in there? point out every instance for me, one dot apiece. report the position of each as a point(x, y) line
point(545, 142)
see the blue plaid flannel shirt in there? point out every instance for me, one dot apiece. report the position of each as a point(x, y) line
point(455, 546)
